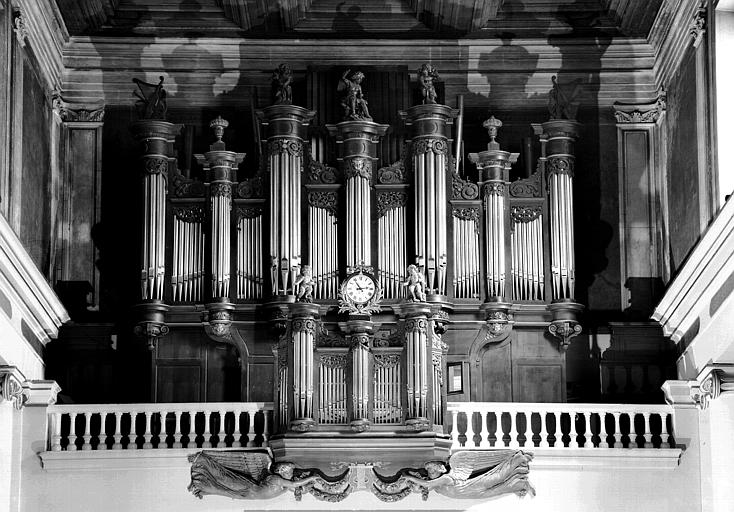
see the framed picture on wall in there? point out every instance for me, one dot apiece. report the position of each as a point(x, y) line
point(455, 375)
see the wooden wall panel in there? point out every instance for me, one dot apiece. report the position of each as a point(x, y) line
point(537, 381)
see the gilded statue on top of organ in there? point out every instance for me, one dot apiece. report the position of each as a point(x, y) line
point(354, 104)
point(151, 99)
point(427, 74)
point(564, 100)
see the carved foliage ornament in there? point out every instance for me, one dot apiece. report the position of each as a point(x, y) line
point(221, 189)
point(333, 360)
point(155, 165)
point(416, 325)
point(326, 200)
point(391, 174)
point(291, 147)
point(321, 173)
point(560, 165)
point(307, 325)
point(463, 189)
point(190, 213)
point(387, 360)
point(529, 187)
point(389, 200)
point(525, 213)
point(469, 214)
point(421, 146)
point(698, 24)
point(494, 188)
point(20, 28)
point(249, 212)
point(186, 187)
point(250, 188)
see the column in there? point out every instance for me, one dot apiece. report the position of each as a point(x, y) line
point(155, 137)
point(558, 138)
point(220, 167)
point(301, 364)
point(357, 150)
point(359, 335)
point(430, 155)
point(439, 349)
point(75, 274)
point(286, 133)
point(418, 347)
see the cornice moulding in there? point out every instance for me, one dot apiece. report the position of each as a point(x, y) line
point(47, 36)
point(709, 265)
point(671, 35)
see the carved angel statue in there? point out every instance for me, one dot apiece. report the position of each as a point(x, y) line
point(416, 284)
point(354, 104)
point(478, 475)
point(564, 101)
point(426, 76)
point(151, 99)
point(304, 285)
point(282, 78)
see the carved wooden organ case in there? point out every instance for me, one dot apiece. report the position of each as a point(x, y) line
point(239, 249)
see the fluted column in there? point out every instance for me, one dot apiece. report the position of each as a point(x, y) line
point(359, 335)
point(220, 166)
point(155, 138)
point(301, 364)
point(430, 157)
point(286, 132)
point(418, 350)
point(357, 150)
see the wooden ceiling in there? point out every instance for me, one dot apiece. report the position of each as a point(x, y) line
point(416, 19)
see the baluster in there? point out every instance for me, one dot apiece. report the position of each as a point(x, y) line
point(603, 442)
point(648, 434)
point(87, 432)
point(543, 430)
point(207, 443)
point(237, 437)
point(148, 436)
point(117, 436)
point(132, 443)
point(588, 434)
point(177, 436)
point(56, 431)
point(514, 441)
point(454, 429)
point(222, 435)
point(102, 445)
point(163, 435)
point(72, 431)
point(664, 437)
point(251, 427)
point(266, 429)
point(633, 432)
point(573, 441)
point(617, 430)
point(483, 434)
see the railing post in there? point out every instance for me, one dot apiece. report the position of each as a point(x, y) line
point(543, 430)
point(177, 434)
point(484, 433)
point(132, 443)
point(454, 429)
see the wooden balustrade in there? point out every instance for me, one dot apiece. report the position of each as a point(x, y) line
point(482, 425)
point(159, 426)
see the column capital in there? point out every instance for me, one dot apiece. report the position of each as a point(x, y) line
point(82, 113)
point(642, 113)
point(15, 388)
point(714, 380)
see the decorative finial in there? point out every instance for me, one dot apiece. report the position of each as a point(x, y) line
point(427, 74)
point(218, 125)
point(282, 78)
point(492, 125)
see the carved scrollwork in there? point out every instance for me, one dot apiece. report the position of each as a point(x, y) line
point(387, 360)
point(187, 187)
point(637, 116)
point(307, 325)
point(470, 214)
point(564, 330)
point(11, 388)
point(332, 340)
point(290, 146)
point(326, 200)
point(220, 189)
point(529, 187)
point(389, 200)
point(413, 325)
point(360, 340)
point(358, 167)
point(250, 188)
point(321, 173)
point(189, 213)
point(333, 360)
point(525, 213)
point(438, 146)
point(463, 189)
point(494, 188)
point(248, 212)
point(560, 165)
point(394, 173)
point(155, 165)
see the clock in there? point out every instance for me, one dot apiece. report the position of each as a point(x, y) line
point(360, 293)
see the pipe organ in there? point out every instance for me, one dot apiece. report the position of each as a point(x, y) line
point(283, 241)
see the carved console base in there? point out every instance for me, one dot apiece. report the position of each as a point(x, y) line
point(302, 425)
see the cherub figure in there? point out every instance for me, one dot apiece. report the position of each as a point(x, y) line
point(282, 78)
point(354, 104)
point(426, 76)
point(416, 284)
point(304, 285)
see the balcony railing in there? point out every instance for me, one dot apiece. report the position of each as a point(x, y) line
point(159, 426)
point(483, 425)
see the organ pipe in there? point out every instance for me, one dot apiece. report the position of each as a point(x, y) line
point(417, 352)
point(301, 363)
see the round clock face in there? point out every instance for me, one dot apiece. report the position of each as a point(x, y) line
point(360, 289)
